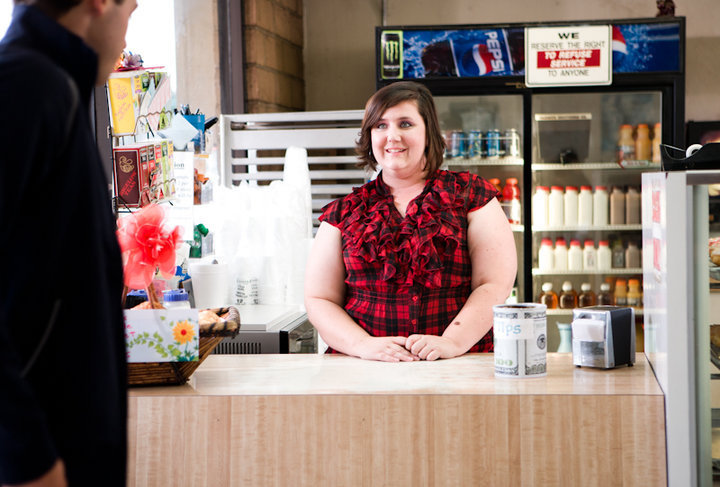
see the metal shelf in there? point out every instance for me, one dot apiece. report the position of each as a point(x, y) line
point(606, 166)
point(631, 270)
point(484, 161)
point(603, 228)
point(517, 228)
point(568, 312)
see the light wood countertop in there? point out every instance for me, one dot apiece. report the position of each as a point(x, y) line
point(233, 375)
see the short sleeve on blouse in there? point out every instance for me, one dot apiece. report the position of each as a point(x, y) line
point(481, 191)
point(333, 213)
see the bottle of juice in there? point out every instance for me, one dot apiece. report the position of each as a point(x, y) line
point(568, 296)
point(548, 297)
point(634, 294)
point(626, 144)
point(605, 296)
point(621, 292)
point(643, 147)
point(587, 296)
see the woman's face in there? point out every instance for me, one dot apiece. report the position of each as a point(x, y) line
point(398, 140)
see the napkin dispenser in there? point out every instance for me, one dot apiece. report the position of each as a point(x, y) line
point(603, 336)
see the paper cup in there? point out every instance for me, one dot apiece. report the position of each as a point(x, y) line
point(520, 339)
point(210, 285)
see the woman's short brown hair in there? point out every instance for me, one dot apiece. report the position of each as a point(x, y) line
point(389, 96)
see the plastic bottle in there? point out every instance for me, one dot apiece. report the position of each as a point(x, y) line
point(621, 292)
point(589, 256)
point(575, 256)
point(176, 299)
point(496, 182)
point(657, 138)
point(632, 255)
point(600, 206)
point(634, 294)
point(540, 206)
point(568, 297)
point(548, 297)
point(546, 255)
point(618, 254)
point(585, 206)
point(626, 144)
point(561, 254)
point(604, 255)
point(570, 206)
point(511, 200)
point(587, 296)
point(617, 206)
point(632, 206)
point(605, 296)
point(555, 207)
point(643, 148)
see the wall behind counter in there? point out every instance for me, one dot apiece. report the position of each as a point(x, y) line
point(339, 53)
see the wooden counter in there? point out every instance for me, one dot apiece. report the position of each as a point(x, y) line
point(318, 420)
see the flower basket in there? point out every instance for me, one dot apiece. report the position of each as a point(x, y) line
point(178, 373)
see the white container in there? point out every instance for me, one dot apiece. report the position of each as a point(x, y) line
point(555, 207)
point(546, 255)
point(520, 332)
point(176, 299)
point(571, 206)
point(540, 206)
point(585, 206)
point(575, 256)
point(561, 254)
point(589, 256)
point(600, 206)
point(604, 256)
point(210, 285)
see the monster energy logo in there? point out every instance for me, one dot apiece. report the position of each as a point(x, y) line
point(391, 45)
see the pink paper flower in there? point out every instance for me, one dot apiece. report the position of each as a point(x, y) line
point(147, 244)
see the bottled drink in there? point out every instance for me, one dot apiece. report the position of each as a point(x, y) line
point(600, 206)
point(618, 254)
point(540, 206)
point(605, 296)
point(546, 255)
point(575, 256)
point(657, 137)
point(617, 206)
point(589, 256)
point(634, 294)
point(621, 292)
point(511, 200)
point(604, 255)
point(643, 149)
point(585, 206)
point(632, 206)
point(496, 182)
point(561, 254)
point(587, 296)
point(555, 207)
point(626, 144)
point(568, 297)
point(548, 297)
point(571, 206)
point(632, 255)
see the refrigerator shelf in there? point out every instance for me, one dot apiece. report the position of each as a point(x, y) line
point(484, 161)
point(568, 312)
point(517, 228)
point(599, 228)
point(631, 270)
point(606, 166)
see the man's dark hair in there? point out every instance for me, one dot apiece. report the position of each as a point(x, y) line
point(54, 8)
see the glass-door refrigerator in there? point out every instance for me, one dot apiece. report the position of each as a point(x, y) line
point(575, 140)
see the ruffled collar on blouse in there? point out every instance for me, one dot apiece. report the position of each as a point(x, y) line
point(411, 249)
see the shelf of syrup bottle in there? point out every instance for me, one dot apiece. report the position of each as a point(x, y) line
point(586, 166)
point(568, 312)
point(611, 271)
point(592, 228)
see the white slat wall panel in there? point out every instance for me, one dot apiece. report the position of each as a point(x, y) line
point(318, 132)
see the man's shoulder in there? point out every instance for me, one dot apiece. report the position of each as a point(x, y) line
point(28, 68)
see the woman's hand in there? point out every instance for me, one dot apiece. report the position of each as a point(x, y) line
point(432, 347)
point(385, 349)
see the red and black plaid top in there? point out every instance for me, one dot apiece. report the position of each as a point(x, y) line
point(413, 274)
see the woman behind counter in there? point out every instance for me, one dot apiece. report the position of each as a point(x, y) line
point(408, 266)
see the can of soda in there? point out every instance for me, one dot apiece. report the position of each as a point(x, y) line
point(475, 141)
point(458, 146)
point(512, 143)
point(492, 142)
